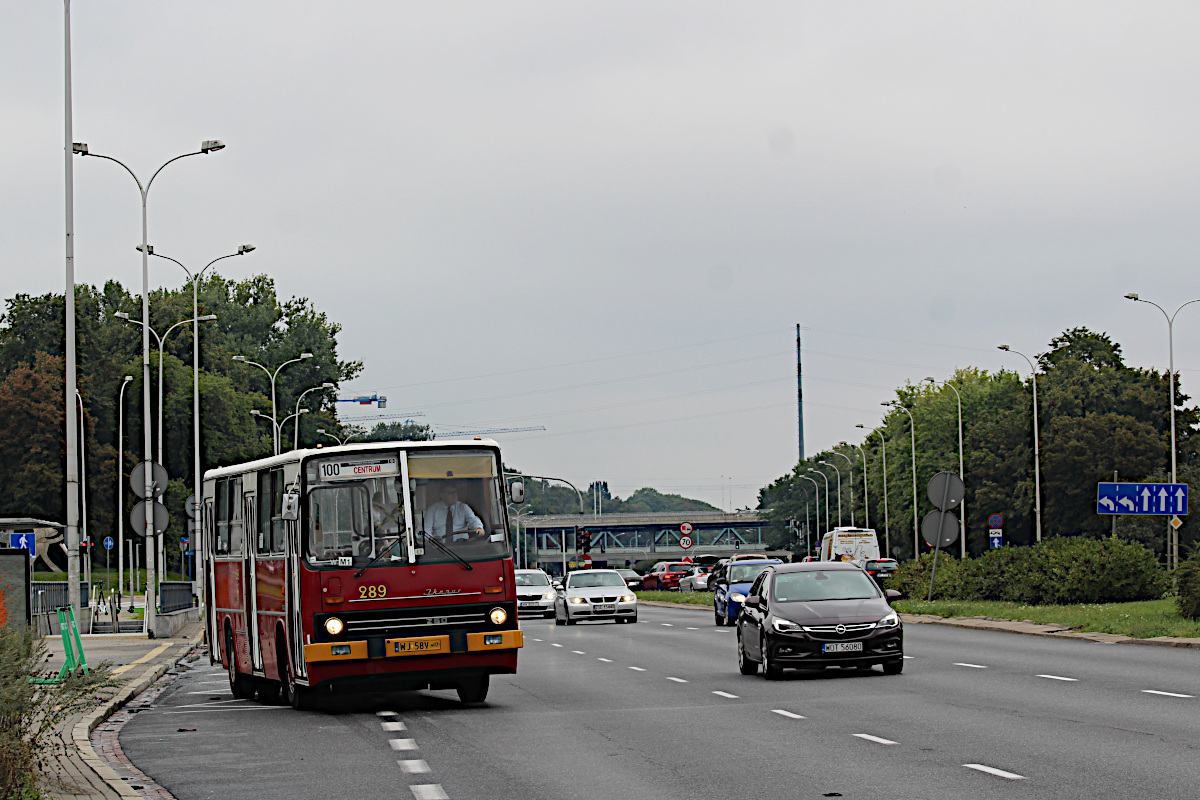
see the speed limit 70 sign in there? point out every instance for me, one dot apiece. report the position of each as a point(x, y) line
point(685, 542)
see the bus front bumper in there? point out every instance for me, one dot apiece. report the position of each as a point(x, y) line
point(445, 644)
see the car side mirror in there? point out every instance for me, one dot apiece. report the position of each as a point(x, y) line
point(891, 595)
point(753, 601)
point(516, 492)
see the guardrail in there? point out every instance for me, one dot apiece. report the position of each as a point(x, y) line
point(174, 595)
point(46, 596)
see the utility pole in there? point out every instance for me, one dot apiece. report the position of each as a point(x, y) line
point(799, 397)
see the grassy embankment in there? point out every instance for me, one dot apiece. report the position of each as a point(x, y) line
point(109, 578)
point(1141, 620)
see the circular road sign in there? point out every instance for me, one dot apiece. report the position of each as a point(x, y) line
point(996, 521)
point(158, 479)
point(686, 542)
point(948, 524)
point(947, 488)
point(191, 506)
point(108, 543)
point(137, 517)
point(685, 528)
point(586, 561)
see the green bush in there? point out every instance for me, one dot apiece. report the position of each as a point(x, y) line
point(912, 579)
point(1187, 584)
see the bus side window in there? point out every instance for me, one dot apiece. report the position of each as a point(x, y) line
point(264, 513)
point(235, 516)
point(278, 534)
point(222, 543)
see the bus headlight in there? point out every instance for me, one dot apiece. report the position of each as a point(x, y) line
point(334, 626)
point(498, 616)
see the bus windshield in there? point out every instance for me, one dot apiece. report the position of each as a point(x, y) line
point(360, 520)
point(457, 500)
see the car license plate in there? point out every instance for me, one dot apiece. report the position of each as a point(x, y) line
point(418, 645)
point(527, 604)
point(842, 647)
point(605, 606)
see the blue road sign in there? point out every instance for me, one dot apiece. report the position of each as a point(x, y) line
point(995, 538)
point(1142, 498)
point(24, 540)
point(108, 543)
point(996, 521)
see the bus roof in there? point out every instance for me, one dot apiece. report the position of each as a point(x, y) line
point(293, 456)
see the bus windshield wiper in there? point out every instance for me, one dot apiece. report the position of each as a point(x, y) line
point(447, 550)
point(377, 558)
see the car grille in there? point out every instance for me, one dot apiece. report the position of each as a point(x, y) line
point(831, 632)
point(529, 598)
point(405, 621)
point(602, 599)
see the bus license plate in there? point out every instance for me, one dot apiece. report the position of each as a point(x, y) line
point(605, 606)
point(418, 646)
point(842, 647)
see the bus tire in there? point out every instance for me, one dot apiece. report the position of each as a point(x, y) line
point(239, 685)
point(474, 689)
point(286, 690)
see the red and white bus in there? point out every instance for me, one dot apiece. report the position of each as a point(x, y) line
point(375, 567)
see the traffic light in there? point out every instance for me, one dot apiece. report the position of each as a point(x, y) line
point(587, 542)
point(737, 544)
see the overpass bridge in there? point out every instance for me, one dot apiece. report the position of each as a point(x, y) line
point(621, 540)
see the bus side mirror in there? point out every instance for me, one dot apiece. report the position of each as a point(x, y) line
point(516, 492)
point(291, 506)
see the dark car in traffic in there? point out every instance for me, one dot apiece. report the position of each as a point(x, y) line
point(816, 615)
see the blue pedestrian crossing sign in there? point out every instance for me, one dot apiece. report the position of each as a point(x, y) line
point(26, 541)
point(1142, 498)
point(108, 543)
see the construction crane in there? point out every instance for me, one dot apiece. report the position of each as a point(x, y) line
point(364, 400)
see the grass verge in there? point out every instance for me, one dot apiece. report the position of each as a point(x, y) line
point(1141, 620)
point(689, 598)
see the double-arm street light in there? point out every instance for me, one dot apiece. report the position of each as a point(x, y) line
point(850, 482)
point(866, 495)
point(817, 515)
point(273, 376)
point(826, 477)
point(337, 439)
point(121, 483)
point(80, 148)
point(962, 532)
point(296, 438)
point(278, 426)
point(887, 533)
point(1037, 459)
point(1172, 535)
point(839, 489)
point(912, 427)
point(579, 494)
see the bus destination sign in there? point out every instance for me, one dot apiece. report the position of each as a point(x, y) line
point(357, 469)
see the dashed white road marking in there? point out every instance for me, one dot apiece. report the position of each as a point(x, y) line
point(677, 680)
point(875, 739)
point(555, 644)
point(536, 640)
point(385, 713)
point(666, 625)
point(693, 629)
point(1059, 678)
point(637, 669)
point(403, 744)
point(972, 666)
point(726, 694)
point(787, 714)
point(605, 660)
point(393, 726)
point(414, 766)
point(429, 791)
point(579, 652)
point(908, 658)
point(1166, 694)
point(999, 773)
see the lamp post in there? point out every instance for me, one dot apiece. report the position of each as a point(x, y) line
point(323, 432)
point(826, 477)
point(563, 538)
point(121, 481)
point(887, 532)
point(849, 483)
point(522, 549)
point(962, 525)
point(81, 148)
point(839, 489)
point(1172, 535)
point(273, 376)
point(277, 426)
point(912, 427)
point(87, 544)
point(807, 548)
point(1037, 459)
point(866, 495)
point(296, 438)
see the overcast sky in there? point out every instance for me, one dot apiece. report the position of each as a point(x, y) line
point(607, 218)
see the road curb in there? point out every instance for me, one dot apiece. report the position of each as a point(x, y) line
point(663, 604)
point(81, 734)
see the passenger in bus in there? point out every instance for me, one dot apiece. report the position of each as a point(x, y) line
point(451, 518)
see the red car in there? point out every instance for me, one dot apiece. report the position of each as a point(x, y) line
point(665, 576)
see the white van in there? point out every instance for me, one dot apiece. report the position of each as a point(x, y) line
point(859, 545)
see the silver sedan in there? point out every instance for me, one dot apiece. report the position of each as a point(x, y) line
point(535, 595)
point(594, 594)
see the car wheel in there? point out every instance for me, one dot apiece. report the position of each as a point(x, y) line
point(632, 619)
point(771, 670)
point(745, 665)
point(571, 621)
point(728, 621)
point(893, 667)
point(558, 621)
point(718, 620)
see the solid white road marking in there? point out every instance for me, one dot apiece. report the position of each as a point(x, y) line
point(414, 766)
point(393, 726)
point(726, 694)
point(210, 691)
point(605, 660)
point(677, 680)
point(999, 773)
point(972, 666)
point(875, 739)
point(385, 713)
point(403, 744)
point(1059, 678)
point(555, 644)
point(637, 669)
point(787, 714)
point(1166, 694)
point(429, 791)
point(229, 708)
point(579, 652)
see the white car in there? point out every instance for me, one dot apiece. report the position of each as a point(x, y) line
point(696, 580)
point(594, 594)
point(535, 595)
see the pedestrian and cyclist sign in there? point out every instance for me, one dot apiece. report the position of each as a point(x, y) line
point(1142, 498)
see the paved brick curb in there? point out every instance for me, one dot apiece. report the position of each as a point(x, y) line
point(81, 734)
point(664, 604)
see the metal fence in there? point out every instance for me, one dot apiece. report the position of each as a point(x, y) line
point(45, 596)
point(174, 595)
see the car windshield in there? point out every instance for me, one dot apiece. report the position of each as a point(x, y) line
point(747, 573)
point(591, 580)
point(532, 579)
point(841, 584)
point(628, 573)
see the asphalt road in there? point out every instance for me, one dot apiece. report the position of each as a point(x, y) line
point(605, 712)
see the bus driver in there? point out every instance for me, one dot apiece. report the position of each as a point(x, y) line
point(451, 518)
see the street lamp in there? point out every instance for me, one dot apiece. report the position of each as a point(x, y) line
point(121, 483)
point(807, 548)
point(962, 533)
point(296, 439)
point(887, 532)
point(323, 432)
point(912, 427)
point(1037, 459)
point(563, 538)
point(81, 148)
point(866, 495)
point(826, 477)
point(273, 376)
point(839, 491)
point(1172, 535)
point(849, 483)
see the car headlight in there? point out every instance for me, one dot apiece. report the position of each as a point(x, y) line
point(629, 598)
point(737, 597)
point(498, 616)
point(578, 600)
point(334, 626)
point(785, 626)
point(890, 621)
point(548, 596)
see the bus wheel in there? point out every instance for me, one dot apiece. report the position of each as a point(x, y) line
point(238, 685)
point(473, 690)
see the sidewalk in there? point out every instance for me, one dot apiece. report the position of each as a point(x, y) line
point(138, 663)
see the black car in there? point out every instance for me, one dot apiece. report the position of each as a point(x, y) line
point(881, 568)
point(817, 615)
